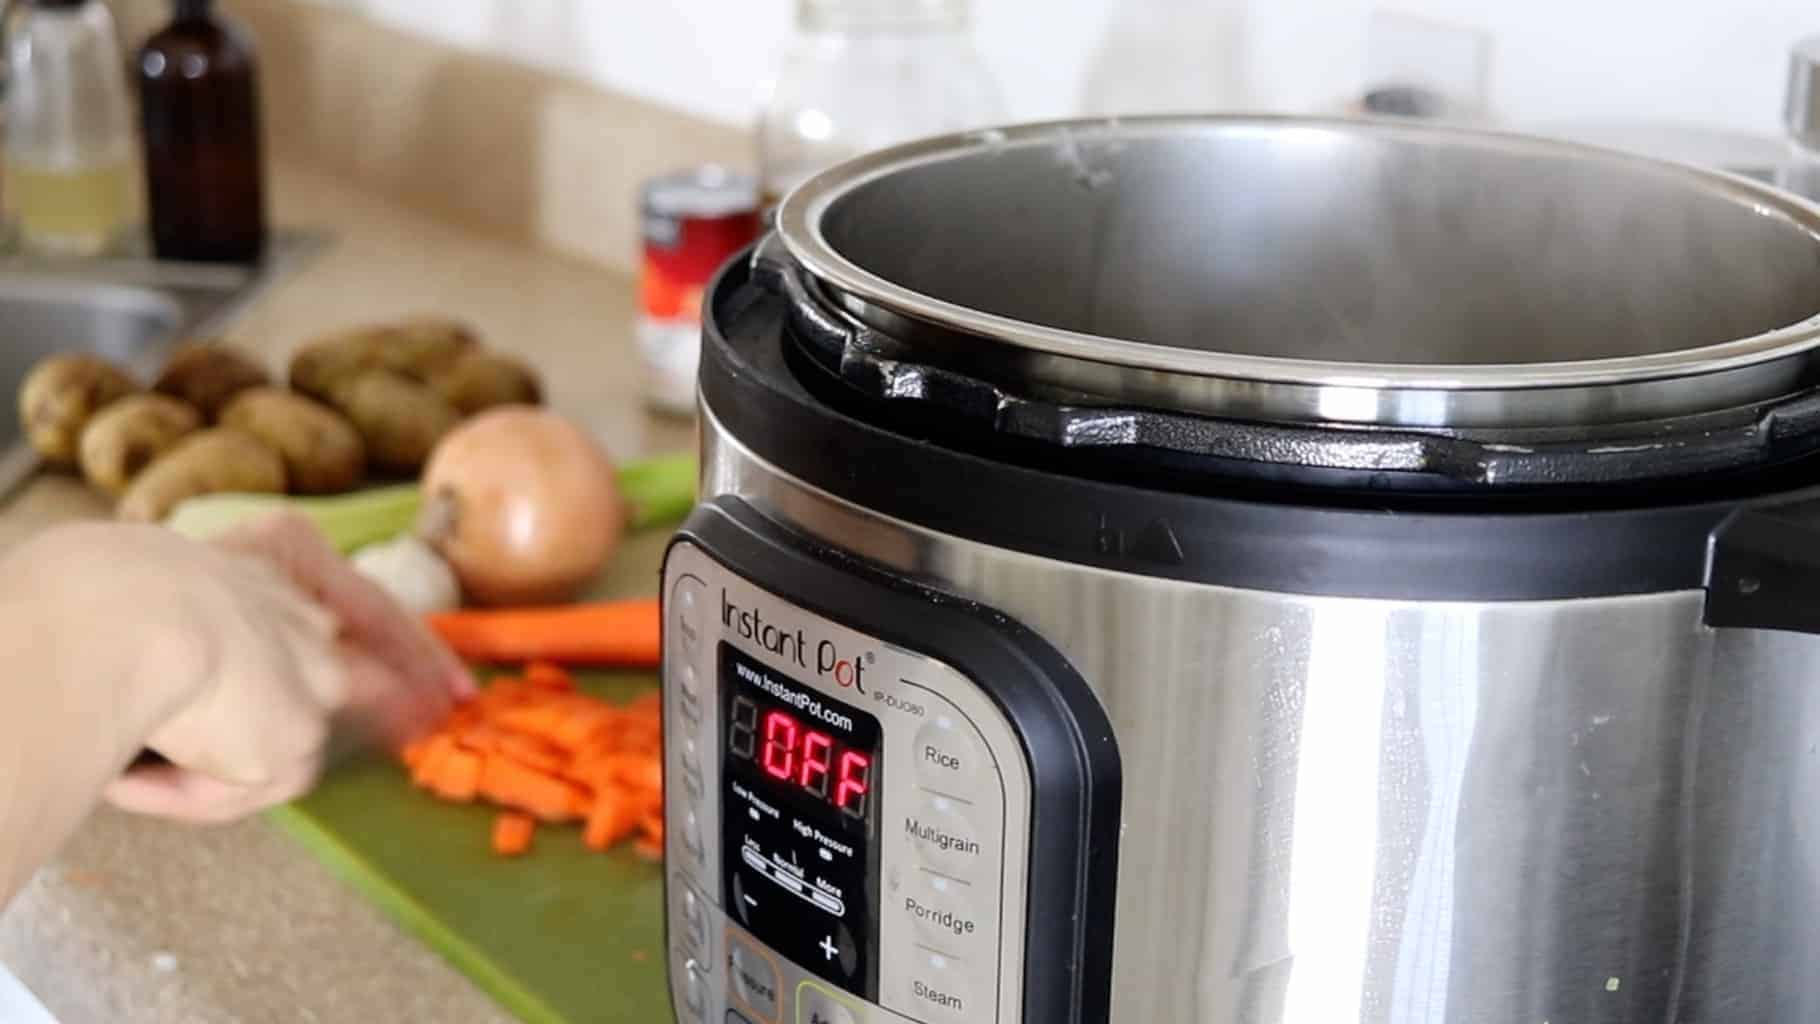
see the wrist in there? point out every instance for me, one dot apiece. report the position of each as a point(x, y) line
point(90, 600)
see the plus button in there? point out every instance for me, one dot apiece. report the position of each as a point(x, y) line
point(828, 948)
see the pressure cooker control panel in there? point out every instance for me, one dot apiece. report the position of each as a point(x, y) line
point(851, 819)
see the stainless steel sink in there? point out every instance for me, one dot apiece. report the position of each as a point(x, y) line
point(131, 312)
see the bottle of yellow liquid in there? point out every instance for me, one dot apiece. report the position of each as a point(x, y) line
point(69, 141)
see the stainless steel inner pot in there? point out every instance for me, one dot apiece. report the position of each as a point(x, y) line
point(1325, 271)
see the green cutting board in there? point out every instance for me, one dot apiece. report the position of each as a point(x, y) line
point(561, 935)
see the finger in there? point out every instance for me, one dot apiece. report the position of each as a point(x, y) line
point(197, 798)
point(364, 608)
point(385, 709)
point(179, 794)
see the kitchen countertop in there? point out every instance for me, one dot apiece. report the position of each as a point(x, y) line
point(144, 922)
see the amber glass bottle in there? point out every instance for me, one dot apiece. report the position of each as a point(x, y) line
point(205, 177)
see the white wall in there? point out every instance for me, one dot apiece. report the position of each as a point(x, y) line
point(1681, 60)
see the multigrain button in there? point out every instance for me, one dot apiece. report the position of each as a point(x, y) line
point(943, 837)
point(949, 755)
point(754, 980)
point(939, 993)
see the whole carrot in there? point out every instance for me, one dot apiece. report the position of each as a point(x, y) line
point(617, 633)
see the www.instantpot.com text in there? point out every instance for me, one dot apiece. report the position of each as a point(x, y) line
point(795, 698)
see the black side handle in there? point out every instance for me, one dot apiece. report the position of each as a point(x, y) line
point(1763, 568)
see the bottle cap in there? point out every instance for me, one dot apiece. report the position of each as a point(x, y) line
point(1801, 113)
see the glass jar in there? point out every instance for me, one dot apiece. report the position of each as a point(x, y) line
point(1800, 170)
point(863, 74)
point(69, 133)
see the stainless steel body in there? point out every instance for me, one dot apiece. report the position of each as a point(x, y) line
point(1324, 272)
point(1406, 812)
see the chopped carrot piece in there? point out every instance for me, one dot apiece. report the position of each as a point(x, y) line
point(457, 776)
point(542, 750)
point(532, 753)
point(512, 834)
point(435, 749)
point(549, 676)
point(507, 782)
point(608, 822)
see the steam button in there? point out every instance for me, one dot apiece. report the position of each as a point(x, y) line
point(939, 993)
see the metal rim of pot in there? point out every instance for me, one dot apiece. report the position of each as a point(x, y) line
point(1455, 396)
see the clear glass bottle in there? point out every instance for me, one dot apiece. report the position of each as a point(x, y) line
point(862, 74)
point(69, 133)
point(1800, 171)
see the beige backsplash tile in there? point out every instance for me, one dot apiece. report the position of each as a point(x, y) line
point(480, 140)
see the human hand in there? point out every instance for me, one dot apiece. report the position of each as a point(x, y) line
point(290, 640)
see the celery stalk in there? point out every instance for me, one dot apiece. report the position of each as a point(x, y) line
point(350, 521)
point(660, 490)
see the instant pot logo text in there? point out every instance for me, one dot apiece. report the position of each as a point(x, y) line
point(794, 645)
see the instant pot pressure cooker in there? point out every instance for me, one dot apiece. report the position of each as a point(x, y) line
point(1250, 571)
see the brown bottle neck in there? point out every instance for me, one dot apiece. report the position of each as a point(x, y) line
point(195, 10)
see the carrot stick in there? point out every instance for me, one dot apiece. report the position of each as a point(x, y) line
point(512, 833)
point(621, 633)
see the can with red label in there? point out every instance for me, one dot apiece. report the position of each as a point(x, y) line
point(694, 221)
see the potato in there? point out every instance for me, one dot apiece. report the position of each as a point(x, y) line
point(61, 395)
point(127, 436)
point(322, 452)
point(421, 346)
point(417, 348)
point(482, 380)
point(400, 419)
point(213, 461)
point(208, 375)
